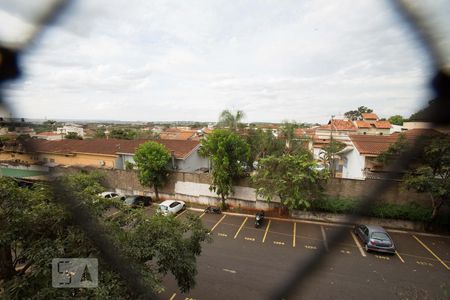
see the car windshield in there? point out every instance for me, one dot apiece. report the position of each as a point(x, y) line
point(163, 207)
point(380, 236)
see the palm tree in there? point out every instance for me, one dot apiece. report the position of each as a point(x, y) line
point(228, 119)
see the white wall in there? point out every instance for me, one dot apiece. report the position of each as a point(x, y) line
point(354, 166)
point(192, 163)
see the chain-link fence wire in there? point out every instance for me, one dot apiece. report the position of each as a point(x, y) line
point(438, 113)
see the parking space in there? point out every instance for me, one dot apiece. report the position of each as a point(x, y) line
point(309, 236)
point(440, 246)
point(348, 245)
point(409, 248)
point(249, 233)
point(228, 226)
point(279, 233)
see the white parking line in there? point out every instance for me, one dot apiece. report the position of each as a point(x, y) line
point(218, 223)
point(324, 236)
point(181, 213)
point(429, 250)
point(357, 244)
point(173, 296)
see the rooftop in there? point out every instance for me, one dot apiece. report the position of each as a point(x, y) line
point(181, 149)
point(369, 116)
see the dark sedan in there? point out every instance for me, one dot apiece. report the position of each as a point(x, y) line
point(136, 201)
point(375, 238)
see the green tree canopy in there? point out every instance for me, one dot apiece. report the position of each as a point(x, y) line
point(123, 133)
point(262, 143)
point(151, 159)
point(231, 121)
point(228, 155)
point(72, 136)
point(295, 179)
point(329, 153)
point(430, 171)
point(35, 228)
point(396, 120)
point(357, 114)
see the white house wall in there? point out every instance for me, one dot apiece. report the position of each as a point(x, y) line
point(192, 163)
point(354, 164)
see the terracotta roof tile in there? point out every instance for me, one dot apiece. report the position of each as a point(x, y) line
point(369, 116)
point(107, 146)
point(362, 124)
point(382, 124)
point(337, 124)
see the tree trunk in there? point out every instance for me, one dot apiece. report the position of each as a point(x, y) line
point(436, 206)
point(156, 192)
point(6, 263)
point(223, 201)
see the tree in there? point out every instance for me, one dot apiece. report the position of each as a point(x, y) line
point(231, 121)
point(262, 143)
point(100, 133)
point(151, 159)
point(228, 155)
point(36, 228)
point(357, 114)
point(430, 171)
point(396, 120)
point(72, 136)
point(125, 134)
point(329, 152)
point(295, 179)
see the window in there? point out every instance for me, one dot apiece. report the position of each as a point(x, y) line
point(174, 204)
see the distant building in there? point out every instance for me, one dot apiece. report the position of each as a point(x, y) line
point(371, 125)
point(49, 136)
point(68, 128)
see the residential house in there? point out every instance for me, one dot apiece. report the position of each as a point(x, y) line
point(50, 136)
point(359, 161)
point(336, 129)
point(100, 153)
point(68, 128)
point(180, 134)
point(371, 125)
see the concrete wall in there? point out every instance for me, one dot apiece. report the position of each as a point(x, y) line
point(194, 187)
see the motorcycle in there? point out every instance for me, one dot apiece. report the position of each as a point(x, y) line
point(213, 210)
point(259, 218)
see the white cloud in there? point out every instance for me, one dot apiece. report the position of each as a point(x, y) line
point(172, 60)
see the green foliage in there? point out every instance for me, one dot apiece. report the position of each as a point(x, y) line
point(100, 133)
point(35, 227)
point(231, 121)
point(396, 120)
point(357, 114)
point(72, 136)
point(228, 155)
point(151, 159)
point(394, 150)
point(430, 172)
point(329, 153)
point(410, 211)
point(123, 133)
point(48, 125)
point(295, 179)
point(263, 143)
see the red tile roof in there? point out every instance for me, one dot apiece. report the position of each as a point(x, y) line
point(382, 124)
point(178, 135)
point(362, 124)
point(375, 144)
point(107, 146)
point(47, 133)
point(337, 124)
point(369, 116)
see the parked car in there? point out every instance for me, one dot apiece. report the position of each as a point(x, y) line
point(137, 200)
point(171, 207)
point(109, 195)
point(375, 238)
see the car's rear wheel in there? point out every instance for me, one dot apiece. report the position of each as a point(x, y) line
point(366, 248)
point(184, 207)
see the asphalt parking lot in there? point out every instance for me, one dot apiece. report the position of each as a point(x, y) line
point(244, 262)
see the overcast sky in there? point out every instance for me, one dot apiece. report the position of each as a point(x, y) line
point(189, 60)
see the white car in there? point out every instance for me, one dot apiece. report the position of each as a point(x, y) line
point(171, 207)
point(109, 195)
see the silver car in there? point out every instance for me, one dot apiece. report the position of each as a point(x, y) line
point(375, 238)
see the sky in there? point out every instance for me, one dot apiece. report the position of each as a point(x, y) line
point(189, 60)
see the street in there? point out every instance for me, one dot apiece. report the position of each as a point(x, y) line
point(244, 262)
